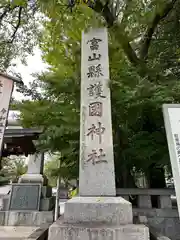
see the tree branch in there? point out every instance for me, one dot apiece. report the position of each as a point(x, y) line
point(6, 10)
point(150, 31)
point(118, 30)
point(104, 10)
point(17, 26)
point(120, 34)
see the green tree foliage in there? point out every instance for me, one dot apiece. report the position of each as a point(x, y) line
point(58, 166)
point(19, 28)
point(13, 168)
point(144, 65)
point(49, 168)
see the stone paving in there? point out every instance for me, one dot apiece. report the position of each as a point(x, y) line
point(14, 233)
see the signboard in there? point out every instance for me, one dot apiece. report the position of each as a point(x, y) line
point(96, 145)
point(6, 88)
point(25, 197)
point(172, 125)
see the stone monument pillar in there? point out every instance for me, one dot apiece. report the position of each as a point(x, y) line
point(35, 169)
point(96, 214)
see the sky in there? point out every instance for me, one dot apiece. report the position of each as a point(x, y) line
point(34, 65)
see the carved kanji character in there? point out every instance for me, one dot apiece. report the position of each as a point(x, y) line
point(93, 130)
point(94, 43)
point(3, 111)
point(95, 90)
point(94, 57)
point(95, 109)
point(94, 71)
point(97, 158)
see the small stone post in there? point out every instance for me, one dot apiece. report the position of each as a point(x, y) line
point(35, 169)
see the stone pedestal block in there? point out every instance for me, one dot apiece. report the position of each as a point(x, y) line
point(25, 218)
point(31, 178)
point(47, 201)
point(94, 231)
point(110, 210)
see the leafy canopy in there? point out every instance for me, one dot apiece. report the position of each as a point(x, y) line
point(144, 75)
point(19, 30)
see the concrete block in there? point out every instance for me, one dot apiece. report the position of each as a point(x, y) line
point(165, 202)
point(47, 204)
point(155, 212)
point(144, 201)
point(111, 210)
point(101, 231)
point(46, 191)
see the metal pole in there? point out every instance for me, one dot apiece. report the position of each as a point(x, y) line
point(57, 208)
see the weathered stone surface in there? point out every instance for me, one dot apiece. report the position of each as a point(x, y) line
point(24, 233)
point(60, 230)
point(13, 218)
point(97, 176)
point(112, 210)
point(16, 233)
point(25, 197)
point(20, 218)
point(40, 233)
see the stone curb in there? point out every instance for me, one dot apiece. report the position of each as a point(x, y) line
point(39, 234)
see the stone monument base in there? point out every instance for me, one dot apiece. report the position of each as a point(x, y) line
point(97, 218)
point(110, 210)
point(94, 231)
point(26, 218)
